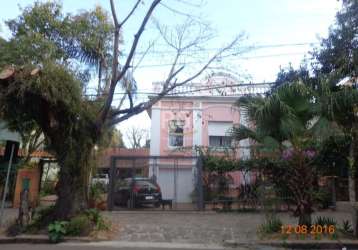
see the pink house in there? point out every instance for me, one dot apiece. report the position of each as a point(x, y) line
point(181, 122)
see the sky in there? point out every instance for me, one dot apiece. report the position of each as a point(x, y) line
point(288, 28)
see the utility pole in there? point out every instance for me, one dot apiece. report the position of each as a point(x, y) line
point(6, 183)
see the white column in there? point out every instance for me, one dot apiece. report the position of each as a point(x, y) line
point(197, 124)
point(244, 144)
point(154, 140)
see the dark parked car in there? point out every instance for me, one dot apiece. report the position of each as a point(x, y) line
point(144, 191)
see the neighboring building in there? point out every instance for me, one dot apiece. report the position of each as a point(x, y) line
point(197, 115)
point(125, 167)
point(7, 135)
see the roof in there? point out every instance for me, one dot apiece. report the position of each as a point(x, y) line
point(36, 154)
point(105, 158)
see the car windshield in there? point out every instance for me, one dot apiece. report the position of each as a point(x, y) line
point(144, 183)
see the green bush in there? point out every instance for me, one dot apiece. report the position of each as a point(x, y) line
point(96, 190)
point(57, 230)
point(48, 188)
point(347, 227)
point(79, 226)
point(95, 217)
point(323, 220)
point(272, 224)
point(41, 219)
point(323, 198)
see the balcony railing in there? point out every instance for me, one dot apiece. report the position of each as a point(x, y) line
point(216, 89)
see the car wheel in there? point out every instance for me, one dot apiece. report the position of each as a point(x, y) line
point(157, 204)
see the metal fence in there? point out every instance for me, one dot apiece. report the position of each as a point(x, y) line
point(155, 183)
point(179, 183)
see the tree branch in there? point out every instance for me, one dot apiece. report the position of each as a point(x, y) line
point(166, 88)
point(116, 78)
point(129, 15)
point(114, 14)
point(212, 59)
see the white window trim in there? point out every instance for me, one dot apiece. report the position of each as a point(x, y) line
point(220, 148)
point(175, 147)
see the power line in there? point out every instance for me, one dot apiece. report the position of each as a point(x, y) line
point(253, 47)
point(196, 90)
point(232, 59)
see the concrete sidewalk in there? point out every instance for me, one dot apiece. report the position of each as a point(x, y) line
point(207, 228)
point(10, 215)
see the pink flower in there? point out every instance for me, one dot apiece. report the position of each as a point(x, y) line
point(287, 154)
point(309, 153)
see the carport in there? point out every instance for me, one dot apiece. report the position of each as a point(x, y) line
point(179, 179)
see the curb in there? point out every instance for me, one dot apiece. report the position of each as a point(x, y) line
point(292, 244)
point(150, 245)
point(166, 212)
point(40, 239)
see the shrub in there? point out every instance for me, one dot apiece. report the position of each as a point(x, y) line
point(272, 224)
point(96, 190)
point(94, 216)
point(48, 188)
point(14, 229)
point(41, 219)
point(79, 225)
point(57, 230)
point(346, 227)
point(323, 198)
point(323, 220)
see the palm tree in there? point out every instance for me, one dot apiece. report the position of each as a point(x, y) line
point(286, 125)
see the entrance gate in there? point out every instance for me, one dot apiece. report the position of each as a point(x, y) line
point(155, 183)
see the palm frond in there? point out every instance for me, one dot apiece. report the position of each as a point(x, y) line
point(242, 132)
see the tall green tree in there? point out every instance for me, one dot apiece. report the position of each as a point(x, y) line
point(336, 59)
point(45, 68)
point(340, 107)
point(337, 56)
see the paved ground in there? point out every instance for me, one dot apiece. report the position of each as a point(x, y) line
point(9, 216)
point(211, 228)
point(187, 227)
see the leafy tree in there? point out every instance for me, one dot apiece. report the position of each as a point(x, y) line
point(45, 69)
point(116, 138)
point(339, 106)
point(290, 75)
point(337, 56)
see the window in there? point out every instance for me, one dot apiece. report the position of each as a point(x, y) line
point(176, 133)
point(220, 141)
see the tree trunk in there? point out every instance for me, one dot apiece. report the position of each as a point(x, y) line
point(73, 182)
point(305, 214)
point(305, 219)
point(351, 173)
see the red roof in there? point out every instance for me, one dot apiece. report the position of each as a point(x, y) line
point(105, 158)
point(36, 154)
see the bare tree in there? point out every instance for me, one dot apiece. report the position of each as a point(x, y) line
point(73, 132)
point(182, 41)
point(136, 137)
